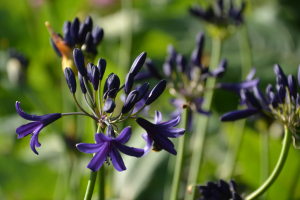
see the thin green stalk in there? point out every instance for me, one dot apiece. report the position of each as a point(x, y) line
point(293, 187)
point(179, 160)
point(280, 163)
point(101, 183)
point(264, 157)
point(203, 120)
point(91, 185)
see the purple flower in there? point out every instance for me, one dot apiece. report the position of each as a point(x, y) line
point(157, 134)
point(107, 146)
point(34, 128)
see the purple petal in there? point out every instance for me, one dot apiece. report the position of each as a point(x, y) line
point(27, 129)
point(89, 148)
point(100, 138)
point(116, 159)
point(177, 102)
point(235, 87)
point(130, 150)
point(171, 123)
point(172, 132)
point(251, 74)
point(239, 114)
point(164, 143)
point(149, 143)
point(34, 143)
point(124, 135)
point(99, 158)
point(157, 117)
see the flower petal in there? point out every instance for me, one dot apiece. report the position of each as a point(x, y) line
point(251, 74)
point(130, 150)
point(116, 159)
point(34, 142)
point(149, 143)
point(27, 129)
point(124, 135)
point(157, 117)
point(89, 148)
point(171, 123)
point(172, 132)
point(164, 143)
point(100, 138)
point(239, 114)
point(98, 160)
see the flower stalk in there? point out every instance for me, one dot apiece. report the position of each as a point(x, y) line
point(90, 186)
point(280, 163)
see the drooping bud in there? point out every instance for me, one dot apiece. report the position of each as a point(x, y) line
point(138, 64)
point(54, 47)
point(109, 105)
point(152, 69)
point(130, 101)
point(81, 83)
point(143, 91)
point(292, 85)
point(89, 42)
point(110, 132)
point(129, 83)
point(156, 92)
point(101, 67)
point(181, 63)
point(98, 34)
point(79, 61)
point(93, 75)
point(74, 30)
point(71, 80)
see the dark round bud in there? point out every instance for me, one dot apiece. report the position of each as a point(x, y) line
point(66, 26)
point(130, 101)
point(109, 105)
point(93, 75)
point(110, 132)
point(101, 67)
point(89, 42)
point(143, 91)
point(98, 34)
point(112, 93)
point(83, 30)
point(71, 80)
point(81, 83)
point(129, 83)
point(74, 30)
point(89, 23)
point(67, 37)
point(113, 81)
point(156, 92)
point(138, 64)
point(281, 93)
point(79, 61)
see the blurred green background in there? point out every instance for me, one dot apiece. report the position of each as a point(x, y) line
point(130, 27)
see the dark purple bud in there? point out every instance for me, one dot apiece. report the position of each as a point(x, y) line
point(281, 94)
point(200, 40)
point(93, 73)
point(109, 105)
point(105, 95)
point(112, 93)
point(54, 47)
point(113, 81)
point(71, 80)
point(128, 83)
point(143, 91)
point(274, 99)
point(156, 92)
point(101, 67)
point(224, 188)
point(219, 71)
point(67, 37)
point(83, 30)
point(110, 132)
point(152, 69)
point(280, 81)
point(98, 34)
point(89, 42)
point(251, 99)
point(196, 56)
point(269, 89)
point(239, 114)
point(74, 30)
point(66, 26)
point(81, 83)
point(79, 61)
point(172, 52)
point(181, 63)
point(105, 88)
point(292, 85)
point(89, 23)
point(260, 96)
point(278, 71)
point(130, 101)
point(138, 64)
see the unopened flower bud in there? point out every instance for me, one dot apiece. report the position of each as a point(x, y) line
point(79, 61)
point(129, 83)
point(109, 105)
point(71, 80)
point(143, 91)
point(130, 101)
point(156, 92)
point(138, 64)
point(101, 67)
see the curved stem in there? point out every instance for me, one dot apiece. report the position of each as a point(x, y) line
point(91, 185)
point(203, 120)
point(179, 160)
point(280, 163)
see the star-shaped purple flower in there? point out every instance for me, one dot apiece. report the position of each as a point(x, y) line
point(34, 128)
point(107, 146)
point(158, 133)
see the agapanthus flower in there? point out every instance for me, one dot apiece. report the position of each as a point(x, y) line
point(157, 134)
point(76, 35)
point(219, 191)
point(106, 149)
point(281, 103)
point(34, 128)
point(187, 80)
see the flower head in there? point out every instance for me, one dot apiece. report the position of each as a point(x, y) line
point(34, 128)
point(157, 134)
point(106, 148)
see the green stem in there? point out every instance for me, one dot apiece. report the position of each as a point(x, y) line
point(203, 120)
point(91, 185)
point(179, 160)
point(280, 163)
point(264, 157)
point(101, 175)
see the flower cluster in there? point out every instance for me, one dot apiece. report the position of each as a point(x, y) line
point(101, 109)
point(76, 35)
point(187, 79)
point(219, 191)
point(282, 105)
